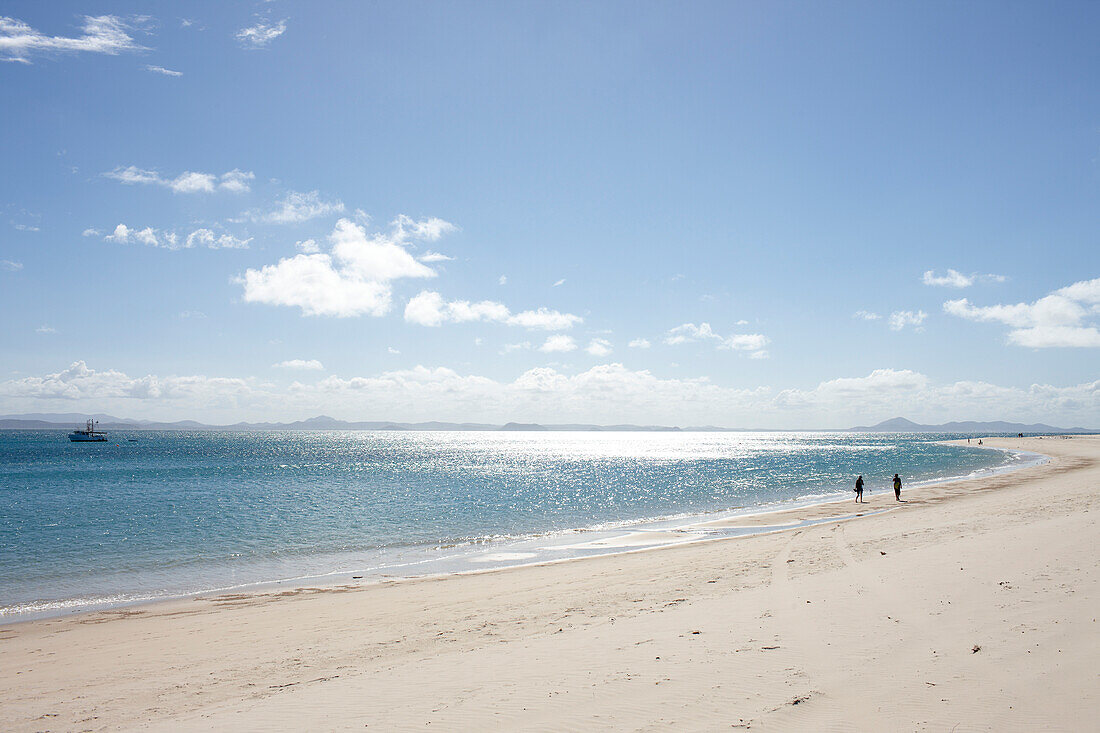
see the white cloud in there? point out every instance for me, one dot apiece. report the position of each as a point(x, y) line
point(353, 280)
point(599, 347)
point(544, 319)
point(188, 315)
point(558, 342)
point(162, 70)
point(502, 280)
point(171, 240)
point(689, 332)
point(521, 346)
point(307, 246)
point(234, 181)
point(431, 256)
point(639, 344)
point(430, 229)
point(45, 329)
point(297, 207)
point(901, 319)
point(1065, 318)
point(604, 394)
point(747, 342)
point(80, 383)
point(866, 316)
point(26, 227)
point(207, 238)
point(10, 265)
point(955, 279)
point(316, 285)
point(261, 34)
point(952, 279)
point(305, 364)
point(429, 309)
point(107, 34)
point(90, 232)
point(393, 350)
point(559, 282)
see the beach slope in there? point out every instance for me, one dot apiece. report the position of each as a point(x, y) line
point(972, 606)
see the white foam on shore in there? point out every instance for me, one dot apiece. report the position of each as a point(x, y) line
point(505, 551)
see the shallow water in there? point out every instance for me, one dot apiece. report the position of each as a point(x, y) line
point(85, 524)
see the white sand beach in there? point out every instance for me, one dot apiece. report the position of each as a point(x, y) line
point(971, 607)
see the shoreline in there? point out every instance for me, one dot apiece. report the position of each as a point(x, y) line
point(971, 607)
point(479, 556)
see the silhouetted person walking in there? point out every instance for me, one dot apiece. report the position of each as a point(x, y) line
point(897, 487)
point(859, 490)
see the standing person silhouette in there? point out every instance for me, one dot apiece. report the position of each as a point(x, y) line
point(897, 487)
point(859, 490)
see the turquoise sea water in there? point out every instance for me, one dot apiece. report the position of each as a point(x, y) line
point(157, 514)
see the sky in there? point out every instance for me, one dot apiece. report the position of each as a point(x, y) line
point(753, 214)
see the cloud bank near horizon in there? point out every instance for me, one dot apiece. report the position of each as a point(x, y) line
point(603, 394)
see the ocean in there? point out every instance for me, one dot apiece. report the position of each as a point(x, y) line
point(153, 515)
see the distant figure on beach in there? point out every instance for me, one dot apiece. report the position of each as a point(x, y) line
point(859, 490)
point(979, 441)
point(897, 487)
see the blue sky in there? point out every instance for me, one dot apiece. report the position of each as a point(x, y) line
point(799, 215)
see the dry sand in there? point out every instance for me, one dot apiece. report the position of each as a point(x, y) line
point(971, 607)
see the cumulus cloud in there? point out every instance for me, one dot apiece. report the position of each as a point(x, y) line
point(866, 316)
point(106, 34)
point(502, 280)
point(306, 364)
point(690, 332)
point(746, 342)
point(1067, 317)
point(559, 342)
point(308, 246)
point(598, 347)
point(162, 70)
point(753, 343)
point(639, 344)
point(429, 230)
point(605, 394)
point(430, 309)
point(901, 319)
point(235, 181)
point(260, 34)
point(297, 207)
point(353, 279)
point(207, 238)
point(10, 265)
point(151, 237)
point(79, 382)
point(952, 279)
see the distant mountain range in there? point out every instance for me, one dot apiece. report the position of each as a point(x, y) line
point(55, 421)
point(901, 425)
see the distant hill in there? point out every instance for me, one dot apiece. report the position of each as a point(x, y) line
point(68, 421)
point(901, 425)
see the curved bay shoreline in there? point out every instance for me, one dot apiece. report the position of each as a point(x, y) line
point(866, 625)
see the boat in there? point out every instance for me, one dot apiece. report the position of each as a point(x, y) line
point(89, 434)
